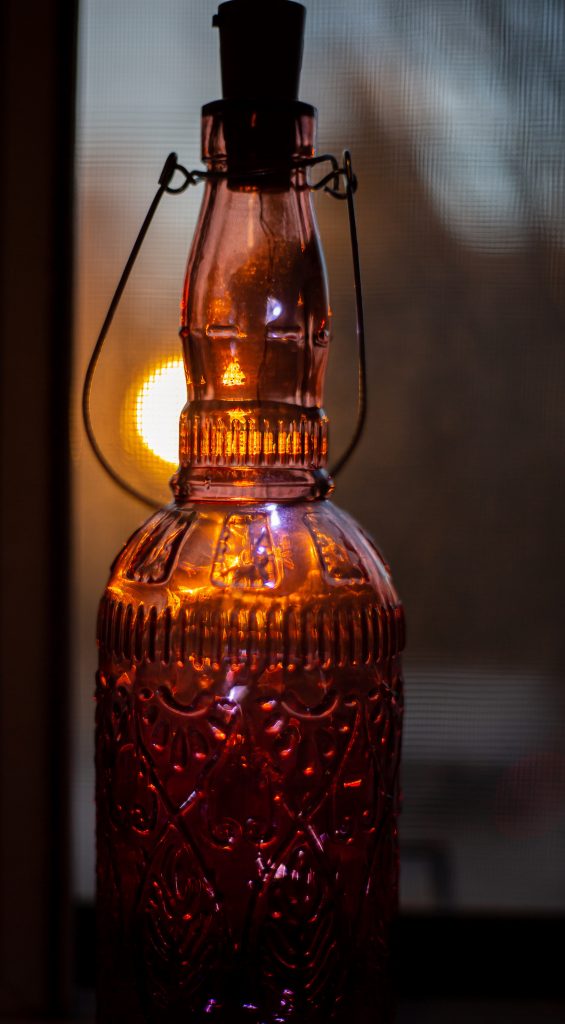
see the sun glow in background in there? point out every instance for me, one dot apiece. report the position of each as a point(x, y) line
point(158, 404)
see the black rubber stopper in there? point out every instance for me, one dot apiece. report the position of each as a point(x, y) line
point(260, 48)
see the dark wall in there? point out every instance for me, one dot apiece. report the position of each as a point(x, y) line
point(37, 109)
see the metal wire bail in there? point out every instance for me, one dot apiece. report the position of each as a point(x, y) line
point(340, 183)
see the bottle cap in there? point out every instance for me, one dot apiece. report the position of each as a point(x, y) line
point(260, 48)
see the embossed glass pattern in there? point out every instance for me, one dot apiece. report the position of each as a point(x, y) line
point(249, 697)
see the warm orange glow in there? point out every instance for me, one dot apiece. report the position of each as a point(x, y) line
point(233, 376)
point(220, 308)
point(158, 404)
point(237, 416)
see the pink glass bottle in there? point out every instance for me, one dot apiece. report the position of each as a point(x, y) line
point(249, 693)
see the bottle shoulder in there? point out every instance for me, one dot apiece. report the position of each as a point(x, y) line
point(287, 594)
point(299, 552)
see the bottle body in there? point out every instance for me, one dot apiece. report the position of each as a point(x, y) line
point(249, 709)
point(249, 697)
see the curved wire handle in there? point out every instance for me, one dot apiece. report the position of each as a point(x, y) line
point(330, 183)
point(165, 178)
point(350, 188)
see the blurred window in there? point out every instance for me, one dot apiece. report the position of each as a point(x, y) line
point(454, 114)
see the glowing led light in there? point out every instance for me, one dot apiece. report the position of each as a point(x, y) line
point(274, 309)
point(233, 376)
point(274, 515)
point(158, 405)
point(237, 416)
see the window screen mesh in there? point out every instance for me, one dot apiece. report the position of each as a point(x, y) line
point(454, 114)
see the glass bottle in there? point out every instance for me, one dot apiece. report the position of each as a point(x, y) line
point(249, 693)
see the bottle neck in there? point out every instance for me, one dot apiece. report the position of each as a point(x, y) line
point(255, 317)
